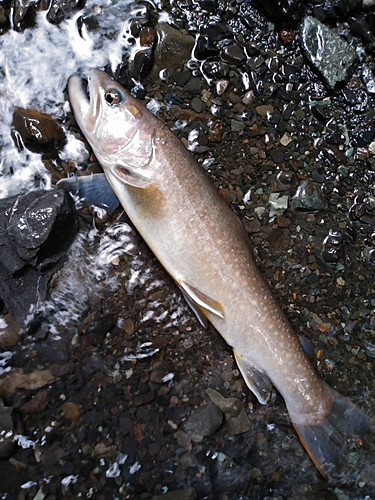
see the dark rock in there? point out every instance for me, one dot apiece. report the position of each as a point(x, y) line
point(285, 180)
point(215, 69)
point(63, 9)
point(206, 47)
point(280, 10)
point(54, 350)
point(36, 230)
point(328, 53)
point(4, 21)
point(196, 104)
point(332, 247)
point(208, 5)
point(173, 49)
point(52, 455)
point(252, 49)
point(10, 335)
point(277, 155)
point(318, 113)
point(141, 64)
point(203, 421)
point(39, 132)
point(37, 403)
point(98, 327)
point(233, 54)
point(194, 86)
point(234, 412)
point(308, 198)
point(23, 14)
point(366, 137)
point(181, 77)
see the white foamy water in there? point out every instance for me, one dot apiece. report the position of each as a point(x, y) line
point(35, 66)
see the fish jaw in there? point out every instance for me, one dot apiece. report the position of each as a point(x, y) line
point(121, 132)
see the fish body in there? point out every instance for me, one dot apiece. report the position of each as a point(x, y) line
point(203, 246)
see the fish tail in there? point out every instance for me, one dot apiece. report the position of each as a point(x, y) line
point(328, 439)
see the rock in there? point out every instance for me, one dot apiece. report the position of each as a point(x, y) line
point(193, 86)
point(330, 54)
point(36, 230)
point(253, 226)
point(55, 350)
point(234, 412)
point(280, 10)
point(3, 17)
point(215, 69)
point(233, 54)
point(368, 475)
point(62, 9)
point(18, 379)
point(228, 477)
point(187, 494)
point(206, 47)
point(37, 403)
point(332, 247)
point(71, 411)
point(181, 77)
point(39, 132)
point(277, 155)
point(263, 110)
point(23, 14)
point(196, 104)
point(173, 49)
point(52, 455)
point(10, 335)
point(203, 422)
point(6, 424)
point(308, 198)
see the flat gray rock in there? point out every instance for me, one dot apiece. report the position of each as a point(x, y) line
point(327, 51)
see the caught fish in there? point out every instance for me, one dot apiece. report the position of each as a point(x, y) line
point(203, 246)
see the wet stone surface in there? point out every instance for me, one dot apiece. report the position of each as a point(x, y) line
point(118, 392)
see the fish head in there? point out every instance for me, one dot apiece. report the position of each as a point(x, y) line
point(119, 128)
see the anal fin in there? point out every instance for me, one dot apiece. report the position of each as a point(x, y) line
point(202, 300)
point(195, 308)
point(256, 381)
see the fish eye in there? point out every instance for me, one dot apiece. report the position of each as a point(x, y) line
point(113, 97)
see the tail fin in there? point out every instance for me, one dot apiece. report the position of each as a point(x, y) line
point(328, 441)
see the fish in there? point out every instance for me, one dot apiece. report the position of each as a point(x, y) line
point(203, 246)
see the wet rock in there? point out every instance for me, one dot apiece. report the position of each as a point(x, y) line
point(196, 104)
point(71, 411)
point(23, 14)
point(277, 155)
point(10, 335)
point(308, 198)
point(234, 412)
point(280, 10)
point(18, 379)
point(3, 17)
point(203, 421)
point(206, 47)
point(36, 229)
point(37, 403)
point(332, 247)
point(173, 49)
point(330, 54)
point(286, 36)
point(285, 180)
point(38, 132)
point(187, 494)
point(6, 424)
point(215, 69)
point(369, 79)
point(264, 110)
point(181, 77)
point(54, 350)
point(63, 9)
point(233, 54)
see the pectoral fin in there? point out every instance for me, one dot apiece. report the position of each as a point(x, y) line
point(92, 190)
point(256, 381)
point(202, 300)
point(125, 175)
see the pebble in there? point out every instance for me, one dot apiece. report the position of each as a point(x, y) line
point(186, 494)
point(234, 412)
point(233, 54)
point(221, 86)
point(277, 155)
point(10, 335)
point(203, 421)
point(263, 110)
point(71, 411)
point(193, 86)
point(196, 104)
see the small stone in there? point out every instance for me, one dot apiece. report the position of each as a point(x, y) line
point(215, 69)
point(233, 54)
point(286, 139)
point(308, 197)
point(203, 421)
point(52, 455)
point(181, 77)
point(128, 326)
point(277, 155)
point(71, 411)
point(340, 281)
point(283, 222)
point(10, 335)
point(248, 98)
point(196, 104)
point(17, 379)
point(194, 86)
point(234, 411)
point(236, 126)
point(253, 226)
point(38, 403)
point(286, 36)
point(221, 86)
point(215, 132)
point(263, 110)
